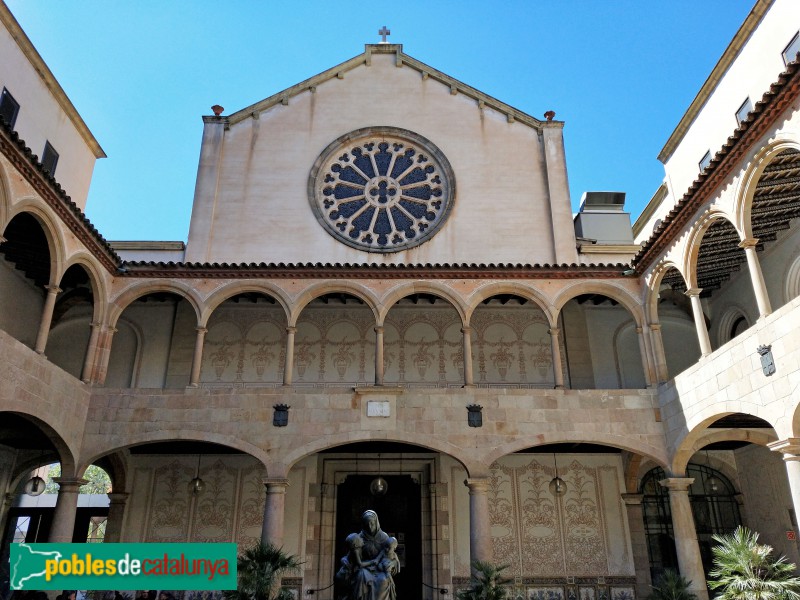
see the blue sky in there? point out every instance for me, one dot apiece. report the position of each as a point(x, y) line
point(619, 73)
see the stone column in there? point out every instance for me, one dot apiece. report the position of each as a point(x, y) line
point(272, 528)
point(555, 349)
point(699, 321)
point(66, 507)
point(468, 380)
point(646, 368)
point(5, 508)
point(103, 355)
point(47, 318)
point(480, 532)
point(288, 364)
point(690, 564)
point(197, 358)
point(756, 276)
point(790, 448)
point(91, 351)
point(641, 559)
point(379, 355)
point(116, 516)
point(660, 358)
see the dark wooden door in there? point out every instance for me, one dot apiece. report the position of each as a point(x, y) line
point(399, 514)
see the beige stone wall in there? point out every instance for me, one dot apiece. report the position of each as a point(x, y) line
point(20, 304)
point(252, 205)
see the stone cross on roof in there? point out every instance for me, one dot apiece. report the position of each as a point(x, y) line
point(383, 32)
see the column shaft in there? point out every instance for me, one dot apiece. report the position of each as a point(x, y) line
point(116, 516)
point(690, 563)
point(790, 448)
point(47, 318)
point(756, 276)
point(288, 364)
point(699, 321)
point(379, 355)
point(197, 358)
point(103, 355)
point(66, 508)
point(480, 532)
point(272, 528)
point(468, 380)
point(558, 367)
point(657, 342)
point(646, 367)
point(91, 352)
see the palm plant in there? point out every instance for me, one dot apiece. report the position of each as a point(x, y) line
point(672, 586)
point(260, 569)
point(744, 570)
point(486, 582)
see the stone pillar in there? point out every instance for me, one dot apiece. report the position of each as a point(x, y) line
point(47, 317)
point(790, 448)
point(690, 563)
point(197, 358)
point(91, 351)
point(699, 321)
point(648, 372)
point(5, 508)
point(66, 507)
point(657, 342)
point(272, 528)
point(468, 380)
point(756, 276)
point(379, 355)
point(103, 355)
point(116, 516)
point(480, 527)
point(555, 349)
point(288, 364)
point(641, 559)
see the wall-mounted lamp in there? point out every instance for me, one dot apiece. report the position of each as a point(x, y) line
point(767, 361)
point(35, 485)
point(474, 415)
point(281, 416)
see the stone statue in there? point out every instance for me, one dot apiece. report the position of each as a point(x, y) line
point(366, 570)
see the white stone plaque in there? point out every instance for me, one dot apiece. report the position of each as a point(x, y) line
point(378, 409)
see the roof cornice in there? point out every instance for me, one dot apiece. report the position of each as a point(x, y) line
point(759, 121)
point(27, 165)
point(48, 78)
point(370, 271)
point(401, 60)
point(719, 70)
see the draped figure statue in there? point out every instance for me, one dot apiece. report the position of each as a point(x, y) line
point(366, 570)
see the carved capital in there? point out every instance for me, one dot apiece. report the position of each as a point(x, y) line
point(692, 292)
point(477, 486)
point(790, 448)
point(677, 484)
point(748, 243)
point(554, 331)
point(632, 499)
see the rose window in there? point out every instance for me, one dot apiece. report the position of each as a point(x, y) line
point(381, 189)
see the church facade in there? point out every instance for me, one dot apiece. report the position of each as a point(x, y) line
point(386, 302)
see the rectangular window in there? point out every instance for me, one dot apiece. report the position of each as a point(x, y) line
point(49, 158)
point(705, 161)
point(9, 108)
point(790, 52)
point(743, 111)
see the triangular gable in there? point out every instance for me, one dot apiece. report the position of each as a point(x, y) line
point(401, 60)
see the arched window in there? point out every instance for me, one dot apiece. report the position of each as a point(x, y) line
point(714, 507)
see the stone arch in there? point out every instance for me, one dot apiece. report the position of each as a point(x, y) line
point(623, 442)
point(98, 283)
point(621, 330)
point(707, 437)
point(52, 233)
point(791, 286)
point(229, 290)
point(137, 438)
point(494, 289)
point(5, 198)
point(654, 285)
point(422, 287)
point(695, 240)
point(316, 290)
point(124, 299)
point(745, 192)
point(618, 293)
point(724, 324)
point(66, 455)
point(434, 443)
